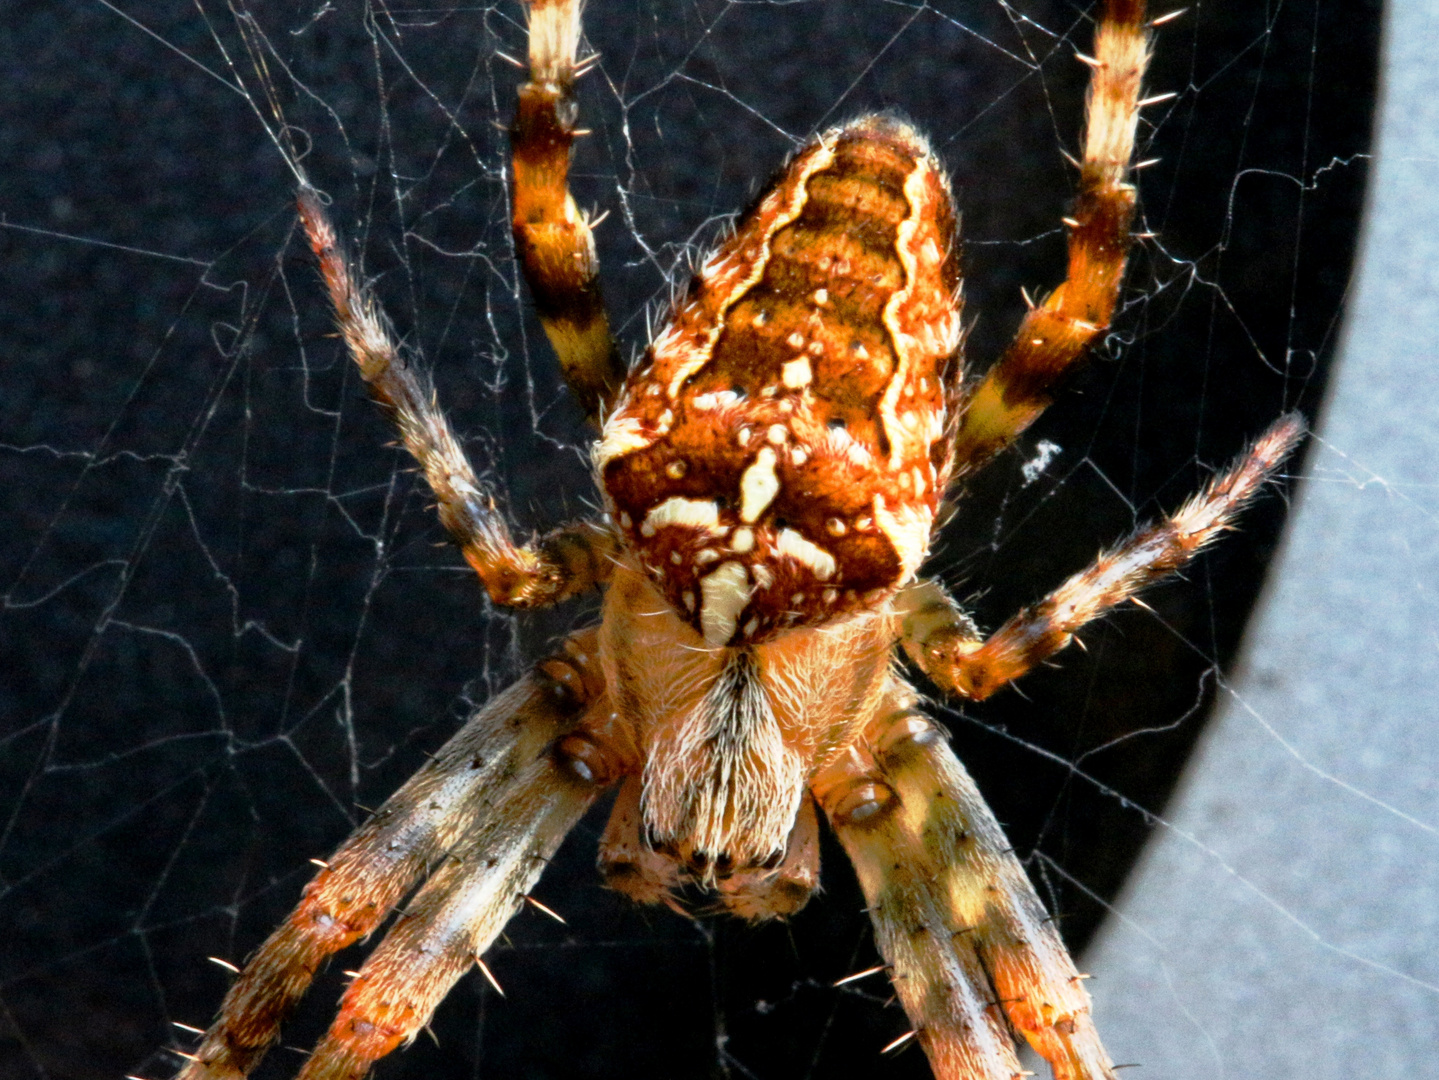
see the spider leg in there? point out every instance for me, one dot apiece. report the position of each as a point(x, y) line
point(1058, 332)
point(505, 787)
point(966, 939)
point(569, 560)
point(944, 643)
point(552, 236)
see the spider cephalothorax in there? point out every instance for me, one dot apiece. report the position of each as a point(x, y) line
point(773, 470)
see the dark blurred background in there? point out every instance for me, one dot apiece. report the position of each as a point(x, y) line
point(229, 623)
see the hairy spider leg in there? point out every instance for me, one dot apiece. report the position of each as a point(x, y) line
point(1058, 332)
point(502, 788)
point(553, 237)
point(967, 942)
point(453, 919)
point(944, 643)
point(569, 560)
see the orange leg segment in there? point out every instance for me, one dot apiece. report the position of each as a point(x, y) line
point(504, 788)
point(552, 568)
point(967, 941)
point(552, 235)
point(943, 641)
point(1058, 332)
point(453, 919)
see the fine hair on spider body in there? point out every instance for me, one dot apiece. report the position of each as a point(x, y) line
point(773, 469)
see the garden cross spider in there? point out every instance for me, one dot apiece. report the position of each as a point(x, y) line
point(773, 470)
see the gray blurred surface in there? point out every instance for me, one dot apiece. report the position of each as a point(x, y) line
point(1285, 920)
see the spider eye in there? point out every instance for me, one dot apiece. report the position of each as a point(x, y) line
point(803, 382)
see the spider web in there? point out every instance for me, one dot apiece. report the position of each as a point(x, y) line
point(230, 623)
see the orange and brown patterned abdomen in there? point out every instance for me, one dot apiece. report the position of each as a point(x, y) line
point(778, 457)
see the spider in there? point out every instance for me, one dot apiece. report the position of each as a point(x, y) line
point(773, 470)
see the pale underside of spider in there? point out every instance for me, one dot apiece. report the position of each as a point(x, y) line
point(773, 468)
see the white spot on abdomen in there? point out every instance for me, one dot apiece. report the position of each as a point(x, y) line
point(803, 551)
point(797, 373)
point(907, 529)
point(716, 399)
point(623, 435)
point(725, 592)
point(758, 486)
point(702, 514)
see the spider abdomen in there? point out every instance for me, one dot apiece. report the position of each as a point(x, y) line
point(778, 457)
